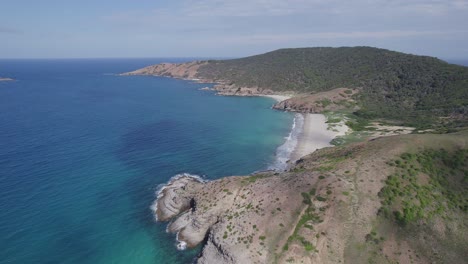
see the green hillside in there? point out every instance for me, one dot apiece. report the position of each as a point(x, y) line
point(394, 85)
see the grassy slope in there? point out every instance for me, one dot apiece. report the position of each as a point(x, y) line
point(394, 85)
point(422, 200)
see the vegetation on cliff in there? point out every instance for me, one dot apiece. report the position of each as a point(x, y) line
point(413, 89)
point(426, 184)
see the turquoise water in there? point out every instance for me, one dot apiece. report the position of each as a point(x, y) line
point(82, 153)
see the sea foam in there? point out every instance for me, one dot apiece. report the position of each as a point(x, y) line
point(283, 152)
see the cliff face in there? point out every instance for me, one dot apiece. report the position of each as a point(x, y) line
point(325, 209)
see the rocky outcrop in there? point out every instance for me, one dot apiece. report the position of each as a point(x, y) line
point(333, 100)
point(238, 216)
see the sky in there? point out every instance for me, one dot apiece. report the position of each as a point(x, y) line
point(236, 28)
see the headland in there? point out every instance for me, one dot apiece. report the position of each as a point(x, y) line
point(379, 196)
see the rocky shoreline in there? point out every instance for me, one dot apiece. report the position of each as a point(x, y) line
point(189, 71)
point(235, 217)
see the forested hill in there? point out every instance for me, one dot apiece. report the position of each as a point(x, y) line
point(394, 85)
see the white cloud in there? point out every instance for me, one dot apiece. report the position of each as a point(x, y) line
point(221, 26)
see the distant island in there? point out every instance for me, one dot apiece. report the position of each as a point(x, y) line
point(380, 196)
point(2, 79)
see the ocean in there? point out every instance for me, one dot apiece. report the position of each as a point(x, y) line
point(83, 152)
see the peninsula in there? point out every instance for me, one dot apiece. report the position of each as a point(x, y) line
point(377, 197)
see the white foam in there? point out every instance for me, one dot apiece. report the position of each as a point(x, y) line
point(181, 245)
point(283, 152)
point(162, 187)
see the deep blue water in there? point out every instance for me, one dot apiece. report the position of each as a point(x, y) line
point(82, 153)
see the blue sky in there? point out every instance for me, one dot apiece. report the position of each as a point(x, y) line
point(213, 28)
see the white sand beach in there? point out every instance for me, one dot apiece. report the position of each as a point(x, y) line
point(315, 135)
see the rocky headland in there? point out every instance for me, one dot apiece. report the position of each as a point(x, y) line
point(333, 100)
point(190, 71)
point(186, 71)
point(326, 209)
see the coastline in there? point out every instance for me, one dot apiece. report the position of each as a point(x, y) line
point(309, 133)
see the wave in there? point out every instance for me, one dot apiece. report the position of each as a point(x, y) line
point(181, 245)
point(283, 152)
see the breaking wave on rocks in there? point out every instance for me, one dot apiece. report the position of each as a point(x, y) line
point(283, 152)
point(181, 245)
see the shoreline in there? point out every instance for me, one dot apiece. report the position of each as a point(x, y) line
point(316, 134)
point(309, 132)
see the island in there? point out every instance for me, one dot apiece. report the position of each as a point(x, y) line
point(392, 190)
point(2, 79)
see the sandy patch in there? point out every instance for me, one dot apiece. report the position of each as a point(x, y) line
point(316, 135)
